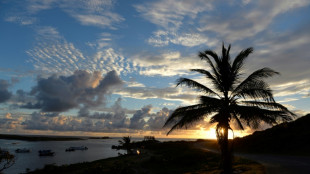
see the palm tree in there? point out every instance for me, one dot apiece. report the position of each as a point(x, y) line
point(229, 99)
point(126, 143)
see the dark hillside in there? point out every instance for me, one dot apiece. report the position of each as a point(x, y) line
point(286, 138)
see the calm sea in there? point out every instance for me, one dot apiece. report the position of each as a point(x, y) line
point(97, 149)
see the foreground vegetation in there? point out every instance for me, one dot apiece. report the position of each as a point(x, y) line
point(167, 157)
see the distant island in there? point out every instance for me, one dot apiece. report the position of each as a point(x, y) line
point(38, 138)
point(105, 137)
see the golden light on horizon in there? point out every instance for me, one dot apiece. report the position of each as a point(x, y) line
point(211, 133)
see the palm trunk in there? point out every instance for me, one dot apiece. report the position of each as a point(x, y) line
point(226, 150)
point(226, 154)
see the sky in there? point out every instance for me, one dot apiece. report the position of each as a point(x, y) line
point(109, 67)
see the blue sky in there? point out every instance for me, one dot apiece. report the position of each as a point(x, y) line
point(107, 67)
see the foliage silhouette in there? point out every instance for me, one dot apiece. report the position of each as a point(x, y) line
point(6, 159)
point(249, 101)
point(126, 143)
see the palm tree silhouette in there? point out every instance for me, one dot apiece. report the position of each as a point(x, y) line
point(126, 143)
point(247, 102)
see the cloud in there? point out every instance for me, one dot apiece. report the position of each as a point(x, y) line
point(98, 20)
point(137, 120)
point(301, 87)
point(22, 20)
point(164, 38)
point(168, 93)
point(53, 54)
point(61, 93)
point(156, 121)
point(111, 120)
point(48, 33)
point(170, 63)
point(170, 14)
point(5, 95)
point(91, 12)
point(115, 122)
point(10, 122)
point(248, 20)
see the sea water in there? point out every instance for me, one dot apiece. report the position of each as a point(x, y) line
point(97, 149)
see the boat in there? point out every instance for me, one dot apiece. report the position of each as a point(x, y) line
point(46, 153)
point(24, 150)
point(70, 149)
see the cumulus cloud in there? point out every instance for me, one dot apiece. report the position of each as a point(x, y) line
point(61, 93)
point(156, 121)
point(111, 120)
point(117, 121)
point(137, 120)
point(5, 95)
point(10, 122)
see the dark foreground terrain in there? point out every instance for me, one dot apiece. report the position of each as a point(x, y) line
point(167, 157)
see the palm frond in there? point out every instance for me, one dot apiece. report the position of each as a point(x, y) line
point(210, 101)
point(193, 84)
point(225, 54)
point(253, 115)
point(268, 105)
point(189, 118)
point(238, 120)
point(178, 112)
point(185, 116)
point(213, 78)
point(212, 54)
point(215, 118)
point(215, 70)
point(255, 76)
point(239, 60)
point(256, 90)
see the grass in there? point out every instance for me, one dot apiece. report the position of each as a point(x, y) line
point(155, 158)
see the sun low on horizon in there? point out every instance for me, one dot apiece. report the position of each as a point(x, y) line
point(109, 67)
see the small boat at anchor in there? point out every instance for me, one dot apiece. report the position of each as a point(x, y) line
point(46, 153)
point(24, 150)
point(71, 149)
